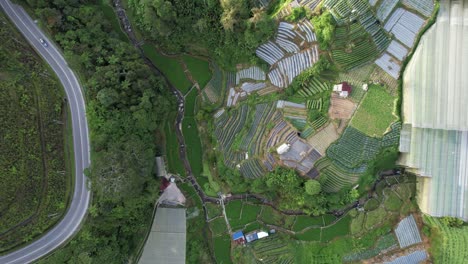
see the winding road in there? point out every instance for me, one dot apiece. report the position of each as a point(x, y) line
point(75, 214)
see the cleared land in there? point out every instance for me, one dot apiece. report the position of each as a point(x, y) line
point(36, 159)
point(375, 114)
point(341, 108)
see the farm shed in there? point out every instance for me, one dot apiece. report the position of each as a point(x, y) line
point(161, 167)
point(255, 236)
point(238, 237)
point(283, 148)
point(343, 89)
point(167, 239)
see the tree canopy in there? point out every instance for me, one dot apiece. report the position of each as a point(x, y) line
point(324, 26)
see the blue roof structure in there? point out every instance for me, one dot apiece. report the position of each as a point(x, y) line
point(237, 235)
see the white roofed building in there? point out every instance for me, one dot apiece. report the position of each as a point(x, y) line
point(283, 148)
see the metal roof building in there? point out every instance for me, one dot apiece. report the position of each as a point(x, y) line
point(166, 241)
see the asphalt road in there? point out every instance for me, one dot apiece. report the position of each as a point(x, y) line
point(75, 214)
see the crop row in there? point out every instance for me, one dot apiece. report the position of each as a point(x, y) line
point(392, 138)
point(259, 111)
point(312, 87)
point(319, 122)
point(214, 87)
point(227, 130)
point(315, 104)
point(454, 242)
point(353, 148)
point(363, 52)
point(307, 132)
point(336, 179)
point(255, 146)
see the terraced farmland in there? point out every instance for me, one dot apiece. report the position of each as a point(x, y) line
point(214, 89)
point(336, 178)
point(227, 126)
point(353, 149)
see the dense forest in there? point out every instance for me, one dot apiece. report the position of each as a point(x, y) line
point(227, 30)
point(125, 105)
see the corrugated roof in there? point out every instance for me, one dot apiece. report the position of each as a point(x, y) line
point(237, 235)
point(166, 242)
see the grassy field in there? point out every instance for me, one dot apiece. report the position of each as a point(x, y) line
point(233, 209)
point(190, 131)
point(312, 234)
point(273, 217)
point(218, 226)
point(200, 69)
point(222, 249)
point(375, 114)
point(197, 244)
point(340, 228)
point(36, 162)
point(248, 215)
point(303, 221)
point(169, 66)
point(172, 148)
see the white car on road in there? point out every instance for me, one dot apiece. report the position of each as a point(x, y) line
point(43, 42)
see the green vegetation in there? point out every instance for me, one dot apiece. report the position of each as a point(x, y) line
point(290, 193)
point(190, 132)
point(303, 221)
point(375, 113)
point(218, 226)
point(386, 242)
point(213, 210)
point(274, 249)
point(372, 204)
point(352, 47)
point(448, 244)
point(228, 31)
point(171, 68)
point(324, 26)
point(124, 114)
point(222, 249)
point(392, 201)
point(313, 234)
point(197, 245)
point(240, 214)
point(108, 12)
point(272, 217)
point(297, 14)
point(233, 209)
point(340, 228)
point(36, 163)
point(199, 68)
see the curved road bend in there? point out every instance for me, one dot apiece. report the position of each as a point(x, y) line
point(75, 214)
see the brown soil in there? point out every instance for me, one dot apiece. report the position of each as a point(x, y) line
point(341, 108)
